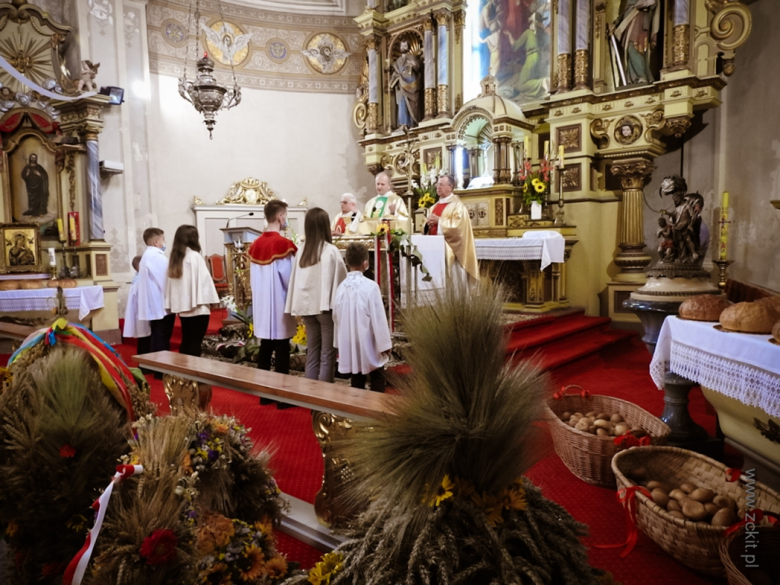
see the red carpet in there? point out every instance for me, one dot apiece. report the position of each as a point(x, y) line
point(610, 368)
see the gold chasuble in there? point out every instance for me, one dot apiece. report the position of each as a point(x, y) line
point(455, 226)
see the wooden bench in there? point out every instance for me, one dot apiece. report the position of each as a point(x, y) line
point(333, 408)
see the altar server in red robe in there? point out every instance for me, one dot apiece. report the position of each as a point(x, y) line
point(272, 257)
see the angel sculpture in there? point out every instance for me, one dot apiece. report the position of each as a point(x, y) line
point(226, 41)
point(327, 55)
point(87, 75)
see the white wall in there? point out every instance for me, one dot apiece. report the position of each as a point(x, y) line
point(302, 145)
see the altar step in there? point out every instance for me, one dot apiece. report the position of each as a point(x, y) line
point(556, 341)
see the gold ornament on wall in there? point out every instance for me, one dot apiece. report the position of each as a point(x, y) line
point(248, 191)
point(627, 130)
point(326, 53)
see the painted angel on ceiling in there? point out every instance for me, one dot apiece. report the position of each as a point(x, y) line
point(226, 40)
point(327, 54)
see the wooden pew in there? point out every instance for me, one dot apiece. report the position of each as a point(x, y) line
point(333, 408)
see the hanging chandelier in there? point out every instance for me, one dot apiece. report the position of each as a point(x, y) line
point(204, 92)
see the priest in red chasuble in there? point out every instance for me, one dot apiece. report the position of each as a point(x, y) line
point(450, 218)
point(272, 256)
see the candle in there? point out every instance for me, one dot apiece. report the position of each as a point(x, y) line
point(52, 257)
point(60, 230)
point(560, 156)
point(72, 229)
point(527, 146)
point(546, 149)
point(724, 226)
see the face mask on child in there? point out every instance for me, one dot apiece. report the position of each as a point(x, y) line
point(163, 247)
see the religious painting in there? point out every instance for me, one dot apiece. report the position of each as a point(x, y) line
point(226, 42)
point(21, 248)
point(513, 45)
point(31, 183)
point(326, 53)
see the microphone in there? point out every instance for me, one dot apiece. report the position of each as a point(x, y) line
point(250, 214)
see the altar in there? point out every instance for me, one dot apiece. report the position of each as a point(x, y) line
point(739, 374)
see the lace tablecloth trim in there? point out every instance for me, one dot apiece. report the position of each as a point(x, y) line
point(748, 384)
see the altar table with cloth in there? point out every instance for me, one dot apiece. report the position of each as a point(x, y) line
point(85, 299)
point(739, 374)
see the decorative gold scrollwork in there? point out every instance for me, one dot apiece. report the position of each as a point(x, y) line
point(248, 191)
point(731, 24)
point(599, 129)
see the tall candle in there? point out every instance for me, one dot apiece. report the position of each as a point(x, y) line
point(724, 226)
point(527, 146)
point(560, 155)
point(60, 230)
point(546, 149)
point(52, 257)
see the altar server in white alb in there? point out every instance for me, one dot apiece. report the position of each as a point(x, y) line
point(362, 334)
point(134, 327)
point(272, 257)
point(152, 276)
point(189, 290)
point(348, 221)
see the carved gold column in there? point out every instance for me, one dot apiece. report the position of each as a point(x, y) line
point(632, 259)
point(681, 46)
point(430, 70)
point(564, 72)
point(331, 431)
point(443, 91)
point(582, 69)
point(582, 45)
point(372, 123)
point(564, 45)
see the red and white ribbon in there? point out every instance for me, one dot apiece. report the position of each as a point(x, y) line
point(78, 566)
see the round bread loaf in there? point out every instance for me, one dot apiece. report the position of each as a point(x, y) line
point(773, 302)
point(776, 332)
point(9, 285)
point(749, 318)
point(703, 307)
point(62, 282)
point(31, 284)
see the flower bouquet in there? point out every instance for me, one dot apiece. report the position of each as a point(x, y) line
point(535, 183)
point(229, 302)
point(426, 189)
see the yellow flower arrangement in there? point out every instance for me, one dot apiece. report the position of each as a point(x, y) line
point(276, 567)
point(443, 492)
point(256, 564)
point(382, 229)
point(300, 335)
point(538, 185)
point(426, 200)
point(330, 564)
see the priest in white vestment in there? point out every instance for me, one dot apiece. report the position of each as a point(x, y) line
point(348, 221)
point(272, 257)
point(386, 204)
point(450, 218)
point(362, 334)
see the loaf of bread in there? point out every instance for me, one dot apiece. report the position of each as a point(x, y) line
point(776, 332)
point(30, 284)
point(62, 282)
point(703, 307)
point(9, 285)
point(773, 302)
point(749, 318)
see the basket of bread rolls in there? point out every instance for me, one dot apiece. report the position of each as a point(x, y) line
point(688, 502)
point(752, 559)
point(587, 430)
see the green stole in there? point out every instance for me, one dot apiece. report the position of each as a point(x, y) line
point(379, 211)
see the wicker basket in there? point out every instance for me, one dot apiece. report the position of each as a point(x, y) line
point(694, 544)
point(766, 556)
point(588, 456)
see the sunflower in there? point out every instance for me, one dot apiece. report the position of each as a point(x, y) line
point(254, 563)
point(539, 186)
point(276, 567)
point(382, 229)
point(513, 498)
point(330, 564)
point(490, 506)
point(444, 491)
point(463, 487)
point(426, 200)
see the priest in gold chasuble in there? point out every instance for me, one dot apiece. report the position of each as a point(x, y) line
point(386, 204)
point(450, 218)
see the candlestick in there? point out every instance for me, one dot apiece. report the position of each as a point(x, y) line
point(724, 229)
point(560, 156)
point(723, 265)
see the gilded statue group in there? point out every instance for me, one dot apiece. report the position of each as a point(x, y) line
point(683, 236)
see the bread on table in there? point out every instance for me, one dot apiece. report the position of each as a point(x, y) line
point(749, 318)
point(776, 332)
point(773, 302)
point(9, 285)
point(62, 282)
point(30, 284)
point(703, 307)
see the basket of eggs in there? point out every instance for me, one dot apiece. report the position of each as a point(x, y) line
point(587, 430)
point(687, 503)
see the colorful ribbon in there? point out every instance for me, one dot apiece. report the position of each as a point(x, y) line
point(114, 373)
point(628, 440)
point(627, 497)
point(78, 565)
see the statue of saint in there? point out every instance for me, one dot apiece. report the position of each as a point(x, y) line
point(532, 82)
point(405, 79)
point(36, 179)
point(684, 237)
point(637, 31)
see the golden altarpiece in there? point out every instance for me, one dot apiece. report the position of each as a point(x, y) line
point(50, 162)
point(598, 88)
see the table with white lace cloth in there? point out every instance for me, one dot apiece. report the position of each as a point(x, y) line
point(742, 366)
point(83, 298)
point(539, 245)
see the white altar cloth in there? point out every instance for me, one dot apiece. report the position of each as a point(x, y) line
point(83, 298)
point(742, 366)
point(546, 246)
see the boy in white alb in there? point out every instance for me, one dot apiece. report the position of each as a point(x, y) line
point(134, 327)
point(272, 257)
point(152, 276)
point(361, 335)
